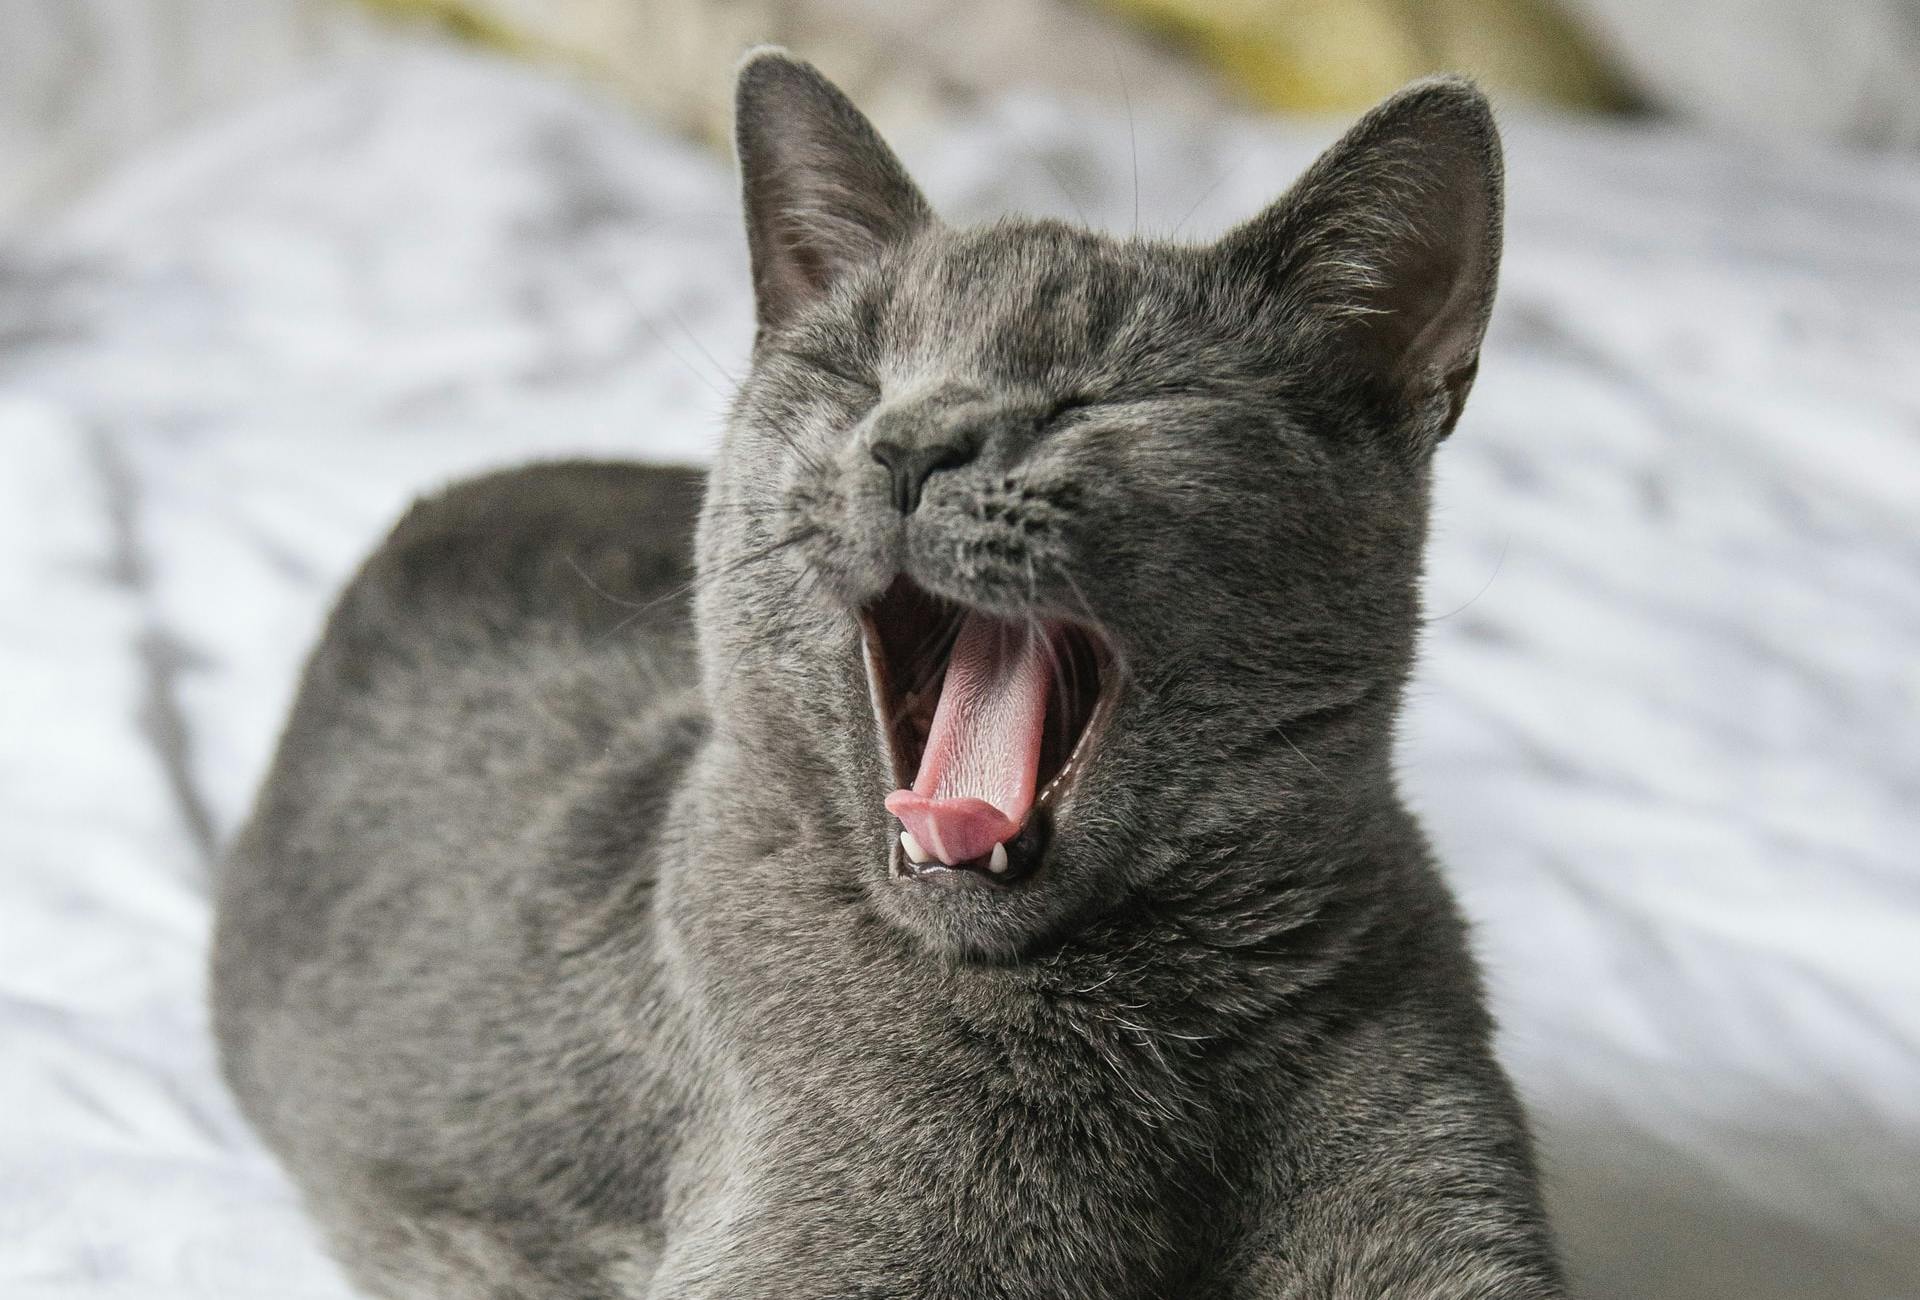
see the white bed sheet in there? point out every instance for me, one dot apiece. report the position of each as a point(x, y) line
point(1665, 734)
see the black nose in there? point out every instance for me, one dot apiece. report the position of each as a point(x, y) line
point(911, 465)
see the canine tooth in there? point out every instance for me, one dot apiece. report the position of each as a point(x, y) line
point(998, 862)
point(914, 852)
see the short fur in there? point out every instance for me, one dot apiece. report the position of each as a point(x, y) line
point(561, 957)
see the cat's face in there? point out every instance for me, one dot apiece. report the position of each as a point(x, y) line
point(1030, 551)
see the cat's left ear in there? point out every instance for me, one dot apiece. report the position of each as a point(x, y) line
point(1384, 255)
point(823, 193)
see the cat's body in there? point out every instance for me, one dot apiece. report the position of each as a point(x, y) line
point(560, 961)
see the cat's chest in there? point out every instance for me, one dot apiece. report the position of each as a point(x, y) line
point(896, 1127)
point(965, 1193)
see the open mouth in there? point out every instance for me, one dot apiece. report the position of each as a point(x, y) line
point(988, 723)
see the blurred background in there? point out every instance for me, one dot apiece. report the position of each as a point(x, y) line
point(271, 268)
point(84, 82)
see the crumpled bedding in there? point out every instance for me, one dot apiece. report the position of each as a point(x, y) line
point(1664, 734)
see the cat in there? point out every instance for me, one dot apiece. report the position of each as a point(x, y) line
point(952, 848)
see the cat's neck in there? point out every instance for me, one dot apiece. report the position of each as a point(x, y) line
point(1236, 927)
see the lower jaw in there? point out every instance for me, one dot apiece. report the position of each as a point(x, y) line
point(1025, 859)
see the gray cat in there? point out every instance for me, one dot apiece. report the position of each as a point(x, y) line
point(966, 862)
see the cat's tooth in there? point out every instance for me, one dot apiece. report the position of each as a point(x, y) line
point(915, 853)
point(998, 862)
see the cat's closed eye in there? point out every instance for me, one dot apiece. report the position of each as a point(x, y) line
point(839, 370)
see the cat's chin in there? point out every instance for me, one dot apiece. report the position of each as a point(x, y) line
point(971, 915)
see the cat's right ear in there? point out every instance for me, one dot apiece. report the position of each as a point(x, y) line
point(823, 194)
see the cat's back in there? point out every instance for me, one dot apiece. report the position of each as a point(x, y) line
point(420, 873)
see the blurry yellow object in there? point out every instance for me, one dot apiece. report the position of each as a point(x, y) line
point(908, 59)
point(1323, 55)
point(902, 60)
point(469, 21)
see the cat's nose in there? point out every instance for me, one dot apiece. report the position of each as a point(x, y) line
point(912, 463)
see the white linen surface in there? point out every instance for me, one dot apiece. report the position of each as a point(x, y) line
point(1664, 736)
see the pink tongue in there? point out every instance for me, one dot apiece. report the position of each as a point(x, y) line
point(975, 784)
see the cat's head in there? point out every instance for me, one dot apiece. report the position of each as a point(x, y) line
point(1079, 559)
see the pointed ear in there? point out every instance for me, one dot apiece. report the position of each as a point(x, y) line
point(822, 191)
point(1386, 252)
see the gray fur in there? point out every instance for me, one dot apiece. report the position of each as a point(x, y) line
point(561, 957)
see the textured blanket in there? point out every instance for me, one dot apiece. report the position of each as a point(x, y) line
point(1665, 734)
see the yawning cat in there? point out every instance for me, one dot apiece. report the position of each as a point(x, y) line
point(968, 862)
